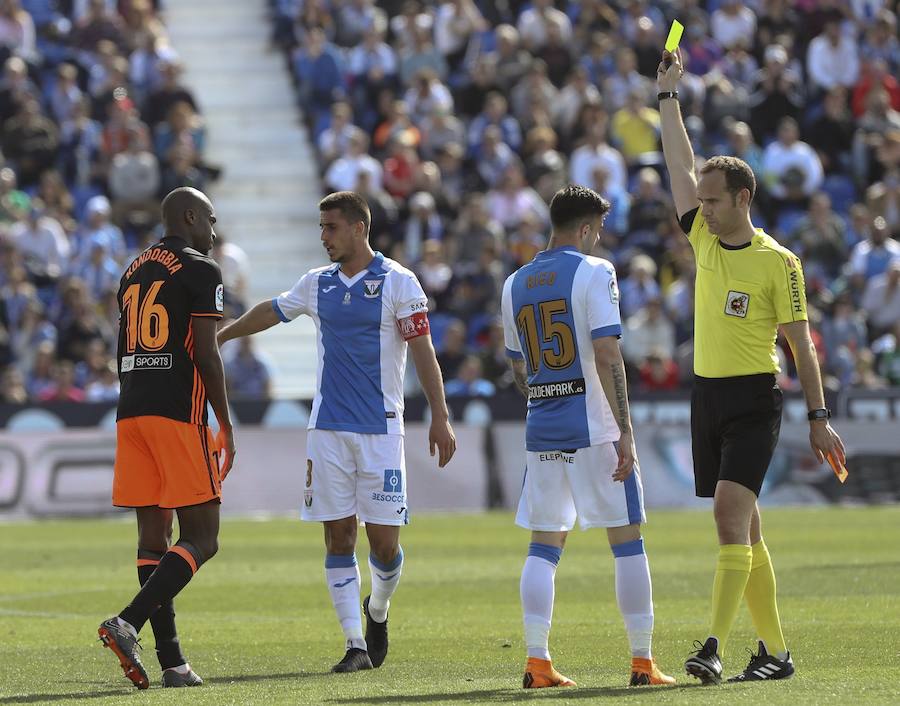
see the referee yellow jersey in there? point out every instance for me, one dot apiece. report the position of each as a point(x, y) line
point(741, 295)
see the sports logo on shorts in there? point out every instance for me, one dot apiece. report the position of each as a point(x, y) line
point(308, 472)
point(307, 498)
point(737, 304)
point(220, 298)
point(393, 482)
point(372, 287)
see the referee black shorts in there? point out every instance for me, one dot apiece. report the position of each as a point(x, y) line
point(735, 424)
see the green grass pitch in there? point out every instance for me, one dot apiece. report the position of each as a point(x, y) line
point(258, 626)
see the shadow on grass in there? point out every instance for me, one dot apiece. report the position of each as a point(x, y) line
point(120, 692)
point(516, 695)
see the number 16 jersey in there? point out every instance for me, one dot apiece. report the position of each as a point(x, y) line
point(161, 290)
point(553, 308)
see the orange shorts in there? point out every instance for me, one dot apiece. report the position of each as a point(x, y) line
point(160, 461)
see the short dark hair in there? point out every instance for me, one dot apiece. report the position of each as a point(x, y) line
point(738, 174)
point(575, 204)
point(352, 206)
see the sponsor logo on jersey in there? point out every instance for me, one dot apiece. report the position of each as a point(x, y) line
point(146, 361)
point(737, 304)
point(613, 290)
point(551, 390)
point(796, 300)
point(372, 287)
point(557, 456)
point(220, 298)
point(346, 299)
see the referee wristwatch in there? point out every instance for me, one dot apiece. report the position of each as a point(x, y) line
point(663, 95)
point(820, 414)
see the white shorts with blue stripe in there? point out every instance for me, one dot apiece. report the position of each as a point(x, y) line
point(561, 486)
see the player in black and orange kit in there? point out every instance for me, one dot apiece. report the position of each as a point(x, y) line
point(167, 460)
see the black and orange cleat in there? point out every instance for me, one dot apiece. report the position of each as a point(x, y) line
point(125, 646)
point(645, 672)
point(540, 674)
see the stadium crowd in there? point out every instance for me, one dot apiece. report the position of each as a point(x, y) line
point(459, 119)
point(95, 125)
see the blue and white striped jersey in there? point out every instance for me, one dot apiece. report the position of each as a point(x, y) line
point(362, 353)
point(553, 308)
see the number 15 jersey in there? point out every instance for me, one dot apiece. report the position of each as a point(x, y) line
point(160, 292)
point(553, 308)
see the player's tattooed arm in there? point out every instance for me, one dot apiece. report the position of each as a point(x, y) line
point(520, 376)
point(623, 417)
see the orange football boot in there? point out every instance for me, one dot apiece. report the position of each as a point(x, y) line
point(539, 673)
point(644, 672)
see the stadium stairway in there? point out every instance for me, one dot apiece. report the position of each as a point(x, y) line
point(266, 200)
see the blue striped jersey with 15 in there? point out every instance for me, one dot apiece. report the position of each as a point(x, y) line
point(553, 308)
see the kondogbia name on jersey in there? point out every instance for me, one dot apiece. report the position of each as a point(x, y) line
point(549, 390)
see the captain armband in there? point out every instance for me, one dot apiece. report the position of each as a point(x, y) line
point(414, 325)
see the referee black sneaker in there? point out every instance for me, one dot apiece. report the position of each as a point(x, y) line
point(354, 661)
point(764, 666)
point(705, 663)
point(376, 636)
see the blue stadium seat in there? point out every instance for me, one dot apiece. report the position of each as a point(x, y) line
point(842, 191)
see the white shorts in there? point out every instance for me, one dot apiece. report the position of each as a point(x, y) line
point(355, 474)
point(561, 486)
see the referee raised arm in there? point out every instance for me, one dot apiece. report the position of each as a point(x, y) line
point(747, 286)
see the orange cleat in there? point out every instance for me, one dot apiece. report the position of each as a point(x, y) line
point(644, 672)
point(539, 673)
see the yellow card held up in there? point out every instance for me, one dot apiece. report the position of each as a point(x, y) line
point(674, 38)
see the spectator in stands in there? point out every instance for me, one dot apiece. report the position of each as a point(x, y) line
point(455, 22)
point(639, 287)
point(81, 147)
point(635, 129)
point(422, 53)
point(134, 178)
point(792, 171)
point(648, 213)
point(626, 78)
point(453, 351)
point(248, 374)
point(597, 153)
point(32, 332)
point(373, 66)
point(15, 88)
point(355, 18)
point(235, 266)
point(875, 76)
point(103, 386)
point(39, 378)
point(833, 58)
point(535, 22)
point(470, 381)
point(874, 255)
point(334, 140)
point(777, 93)
point(426, 96)
point(658, 373)
point(318, 70)
point(832, 133)
point(30, 141)
point(17, 33)
point(43, 244)
point(741, 144)
point(881, 43)
point(433, 271)
point(62, 389)
point(99, 23)
point(398, 127)
point(512, 199)
point(732, 23)
point(169, 92)
point(881, 301)
point(545, 167)
point(534, 88)
point(343, 173)
point(557, 54)
point(476, 229)
point(65, 93)
point(511, 60)
point(99, 271)
point(440, 129)
point(98, 228)
point(526, 240)
point(12, 386)
point(878, 120)
point(56, 197)
point(820, 240)
point(648, 331)
point(495, 113)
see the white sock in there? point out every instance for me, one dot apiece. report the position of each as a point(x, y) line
point(342, 575)
point(181, 668)
point(634, 595)
point(536, 589)
point(385, 578)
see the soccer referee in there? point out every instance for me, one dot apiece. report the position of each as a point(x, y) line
point(747, 286)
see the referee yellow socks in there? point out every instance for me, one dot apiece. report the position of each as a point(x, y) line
point(760, 596)
point(732, 572)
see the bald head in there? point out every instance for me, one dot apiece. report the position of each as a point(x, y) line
point(188, 213)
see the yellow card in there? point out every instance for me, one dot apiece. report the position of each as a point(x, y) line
point(674, 38)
